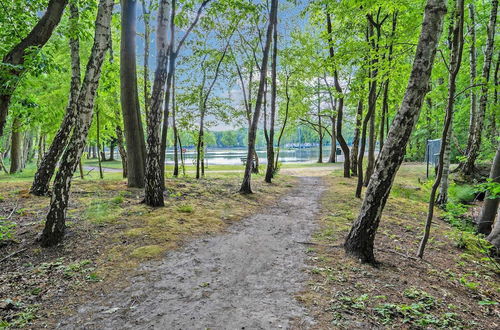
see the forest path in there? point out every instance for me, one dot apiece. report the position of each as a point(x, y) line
point(244, 278)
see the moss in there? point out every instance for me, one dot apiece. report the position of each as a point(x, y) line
point(147, 252)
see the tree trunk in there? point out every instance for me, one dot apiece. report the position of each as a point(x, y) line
point(153, 178)
point(442, 198)
point(473, 152)
point(112, 150)
point(371, 149)
point(252, 132)
point(355, 142)
point(359, 242)
point(287, 107)
point(473, 74)
point(16, 152)
point(455, 62)
point(370, 113)
point(146, 14)
point(320, 131)
point(100, 157)
point(340, 110)
point(121, 149)
point(333, 142)
point(490, 206)
point(53, 231)
point(494, 236)
point(49, 161)
point(134, 134)
point(270, 149)
point(13, 61)
point(176, 133)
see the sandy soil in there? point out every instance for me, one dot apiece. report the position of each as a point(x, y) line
point(245, 278)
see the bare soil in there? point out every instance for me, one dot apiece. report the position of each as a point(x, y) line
point(245, 278)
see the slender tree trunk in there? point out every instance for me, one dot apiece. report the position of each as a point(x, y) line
point(355, 142)
point(442, 198)
point(285, 120)
point(80, 167)
point(182, 155)
point(473, 74)
point(134, 134)
point(252, 132)
point(176, 133)
point(154, 167)
point(320, 131)
point(99, 153)
point(340, 110)
point(359, 242)
point(370, 113)
point(49, 161)
point(490, 206)
point(13, 61)
point(112, 150)
point(121, 149)
point(371, 150)
point(270, 150)
point(455, 62)
point(16, 152)
point(146, 14)
point(473, 152)
point(53, 231)
point(333, 142)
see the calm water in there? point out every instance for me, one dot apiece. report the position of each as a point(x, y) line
point(232, 156)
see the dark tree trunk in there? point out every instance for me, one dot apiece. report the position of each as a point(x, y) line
point(333, 142)
point(469, 165)
point(134, 134)
point(176, 133)
point(16, 151)
point(370, 113)
point(340, 110)
point(121, 149)
point(490, 206)
point(246, 187)
point(112, 150)
point(457, 44)
point(355, 141)
point(359, 242)
point(270, 145)
point(49, 161)
point(13, 61)
point(153, 179)
point(53, 231)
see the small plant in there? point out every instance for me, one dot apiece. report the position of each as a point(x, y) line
point(6, 230)
point(186, 208)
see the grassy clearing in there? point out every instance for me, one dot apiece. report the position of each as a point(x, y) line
point(110, 233)
point(456, 286)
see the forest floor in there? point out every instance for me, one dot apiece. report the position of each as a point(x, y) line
point(214, 258)
point(456, 285)
point(109, 235)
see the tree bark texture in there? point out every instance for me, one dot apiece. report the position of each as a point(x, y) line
point(359, 242)
point(134, 134)
point(53, 231)
point(153, 178)
point(49, 161)
point(490, 206)
point(16, 146)
point(252, 132)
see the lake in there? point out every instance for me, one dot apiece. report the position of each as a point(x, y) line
point(232, 156)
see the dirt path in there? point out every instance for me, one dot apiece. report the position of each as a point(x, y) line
point(245, 278)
